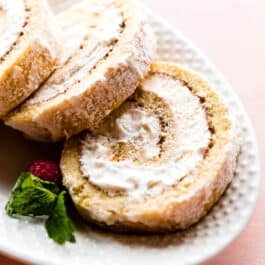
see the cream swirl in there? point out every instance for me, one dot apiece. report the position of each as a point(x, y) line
point(139, 130)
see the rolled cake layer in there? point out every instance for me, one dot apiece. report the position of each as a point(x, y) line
point(107, 50)
point(28, 50)
point(160, 161)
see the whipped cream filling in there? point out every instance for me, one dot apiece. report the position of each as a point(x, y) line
point(141, 131)
point(140, 128)
point(12, 18)
point(86, 44)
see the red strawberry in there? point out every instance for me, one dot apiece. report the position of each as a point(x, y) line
point(46, 170)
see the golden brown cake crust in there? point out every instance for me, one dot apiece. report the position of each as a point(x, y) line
point(177, 207)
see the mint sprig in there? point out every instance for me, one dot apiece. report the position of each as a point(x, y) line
point(59, 227)
point(32, 196)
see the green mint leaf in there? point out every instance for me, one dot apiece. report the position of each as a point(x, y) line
point(30, 180)
point(32, 196)
point(59, 226)
point(31, 201)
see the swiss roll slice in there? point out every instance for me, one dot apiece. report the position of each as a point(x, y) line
point(29, 49)
point(160, 161)
point(107, 50)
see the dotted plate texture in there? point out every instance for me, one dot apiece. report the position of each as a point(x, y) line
point(28, 240)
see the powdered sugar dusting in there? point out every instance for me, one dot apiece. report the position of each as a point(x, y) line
point(87, 42)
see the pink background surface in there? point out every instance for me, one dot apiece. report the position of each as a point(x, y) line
point(232, 34)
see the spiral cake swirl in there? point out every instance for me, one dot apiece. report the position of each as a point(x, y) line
point(157, 163)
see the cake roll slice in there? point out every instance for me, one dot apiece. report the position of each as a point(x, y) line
point(107, 50)
point(29, 49)
point(160, 161)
